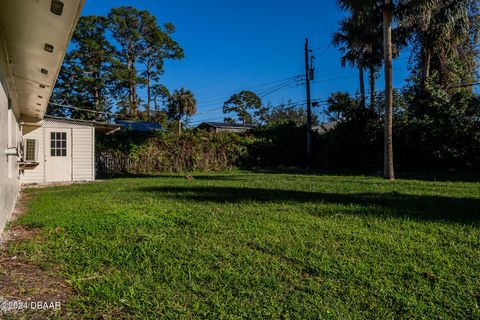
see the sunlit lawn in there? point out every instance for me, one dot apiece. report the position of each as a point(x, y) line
point(246, 245)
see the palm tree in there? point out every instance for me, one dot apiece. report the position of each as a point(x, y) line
point(181, 104)
point(387, 11)
point(349, 40)
point(360, 39)
point(439, 30)
point(361, 9)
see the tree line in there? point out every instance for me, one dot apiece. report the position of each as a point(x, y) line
point(117, 57)
point(112, 58)
point(434, 119)
point(442, 38)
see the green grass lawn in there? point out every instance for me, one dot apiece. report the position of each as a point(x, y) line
point(246, 245)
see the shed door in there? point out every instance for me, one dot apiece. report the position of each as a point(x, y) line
point(58, 155)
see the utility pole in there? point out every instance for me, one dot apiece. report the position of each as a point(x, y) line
point(308, 77)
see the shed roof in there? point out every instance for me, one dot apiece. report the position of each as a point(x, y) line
point(140, 125)
point(102, 127)
point(224, 125)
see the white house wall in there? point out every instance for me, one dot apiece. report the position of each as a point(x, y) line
point(9, 137)
point(28, 72)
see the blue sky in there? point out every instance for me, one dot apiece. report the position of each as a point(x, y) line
point(233, 45)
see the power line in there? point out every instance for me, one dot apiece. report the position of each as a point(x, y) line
point(293, 43)
point(240, 74)
point(82, 109)
point(280, 87)
point(252, 88)
point(266, 91)
point(221, 97)
point(219, 118)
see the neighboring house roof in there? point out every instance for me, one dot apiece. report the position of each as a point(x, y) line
point(102, 127)
point(222, 125)
point(36, 36)
point(140, 126)
point(325, 127)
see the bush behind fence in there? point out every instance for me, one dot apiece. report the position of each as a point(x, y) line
point(191, 151)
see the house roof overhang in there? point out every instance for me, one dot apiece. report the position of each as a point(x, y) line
point(35, 41)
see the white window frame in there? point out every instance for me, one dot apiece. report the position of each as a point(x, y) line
point(58, 144)
point(35, 151)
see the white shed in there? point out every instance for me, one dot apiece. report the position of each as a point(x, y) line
point(60, 150)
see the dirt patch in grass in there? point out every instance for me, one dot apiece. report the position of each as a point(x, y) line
point(27, 290)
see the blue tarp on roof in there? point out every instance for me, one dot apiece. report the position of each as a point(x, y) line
point(139, 125)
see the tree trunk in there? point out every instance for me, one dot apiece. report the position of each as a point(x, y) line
point(387, 43)
point(149, 89)
point(427, 58)
point(96, 98)
point(372, 88)
point(149, 95)
point(134, 91)
point(131, 89)
point(362, 86)
point(97, 94)
point(179, 126)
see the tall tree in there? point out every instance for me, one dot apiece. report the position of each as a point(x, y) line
point(360, 39)
point(349, 40)
point(387, 10)
point(341, 106)
point(85, 79)
point(140, 39)
point(441, 32)
point(161, 47)
point(181, 104)
point(246, 104)
point(287, 113)
point(159, 93)
point(386, 7)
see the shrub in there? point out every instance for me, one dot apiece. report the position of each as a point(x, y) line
point(166, 152)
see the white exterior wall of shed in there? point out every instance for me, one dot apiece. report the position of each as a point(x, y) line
point(82, 149)
point(10, 136)
point(83, 154)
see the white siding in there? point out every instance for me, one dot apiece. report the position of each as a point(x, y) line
point(83, 157)
point(82, 146)
point(9, 137)
point(36, 175)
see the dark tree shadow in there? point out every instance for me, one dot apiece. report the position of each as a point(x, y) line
point(213, 177)
point(439, 175)
point(472, 176)
point(422, 207)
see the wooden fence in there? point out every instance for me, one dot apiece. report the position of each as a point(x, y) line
point(108, 164)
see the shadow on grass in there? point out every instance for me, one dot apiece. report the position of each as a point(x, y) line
point(473, 176)
point(438, 175)
point(213, 177)
point(423, 207)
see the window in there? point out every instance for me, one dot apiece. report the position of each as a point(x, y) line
point(58, 144)
point(31, 149)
